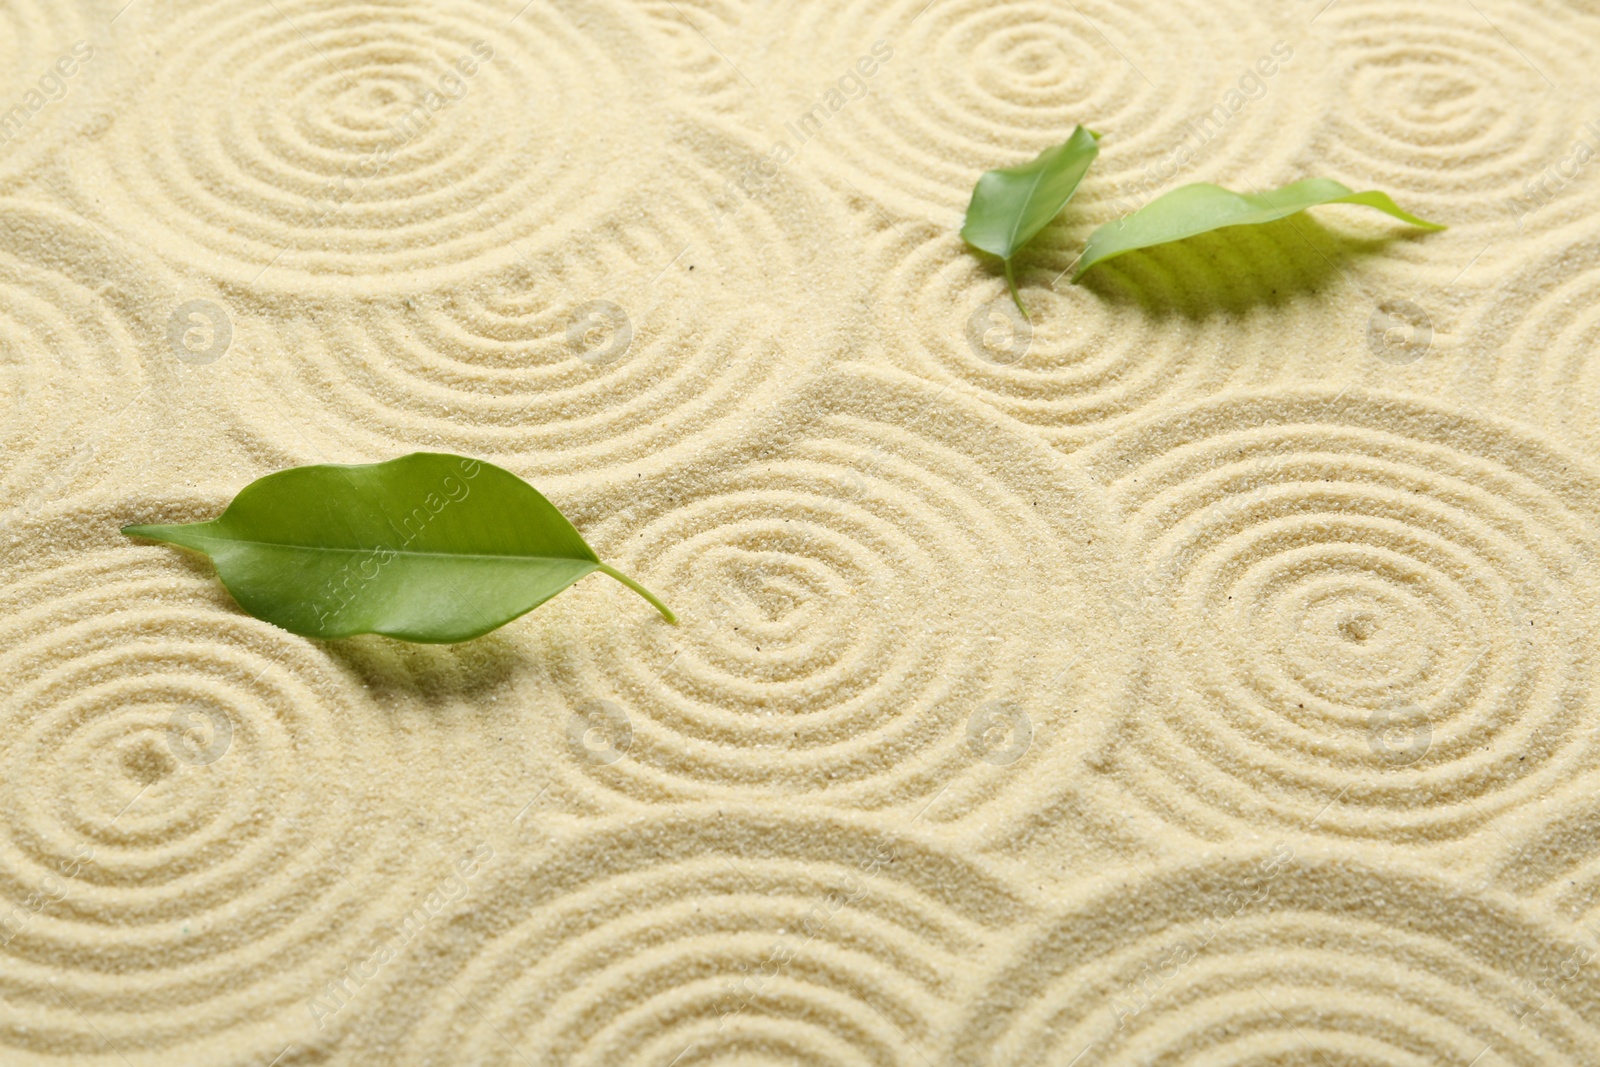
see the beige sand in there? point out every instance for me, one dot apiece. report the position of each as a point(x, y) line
point(1204, 676)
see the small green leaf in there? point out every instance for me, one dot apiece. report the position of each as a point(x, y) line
point(1012, 205)
point(427, 547)
point(1202, 207)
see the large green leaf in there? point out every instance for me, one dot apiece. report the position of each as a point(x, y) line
point(1011, 205)
point(1202, 207)
point(427, 547)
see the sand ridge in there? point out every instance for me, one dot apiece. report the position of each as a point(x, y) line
point(1253, 955)
point(956, 572)
point(1201, 672)
point(230, 884)
point(1406, 584)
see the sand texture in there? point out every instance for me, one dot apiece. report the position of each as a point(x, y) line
point(1204, 673)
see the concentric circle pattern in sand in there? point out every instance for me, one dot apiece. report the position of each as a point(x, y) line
point(1201, 672)
point(1277, 956)
point(711, 936)
point(68, 342)
point(619, 352)
point(1187, 320)
point(49, 64)
point(688, 33)
point(887, 595)
point(1537, 340)
point(1468, 114)
point(953, 88)
point(313, 146)
point(1446, 98)
point(1371, 614)
point(155, 748)
point(1552, 855)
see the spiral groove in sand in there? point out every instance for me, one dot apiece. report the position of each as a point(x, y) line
point(973, 85)
point(1281, 957)
point(710, 936)
point(617, 353)
point(299, 146)
point(155, 747)
point(1399, 588)
point(67, 343)
point(854, 595)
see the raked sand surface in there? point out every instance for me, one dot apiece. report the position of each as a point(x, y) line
point(1206, 673)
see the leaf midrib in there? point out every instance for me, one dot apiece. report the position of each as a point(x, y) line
point(1027, 202)
point(398, 551)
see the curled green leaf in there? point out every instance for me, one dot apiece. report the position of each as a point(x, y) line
point(1202, 207)
point(428, 547)
point(1010, 206)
